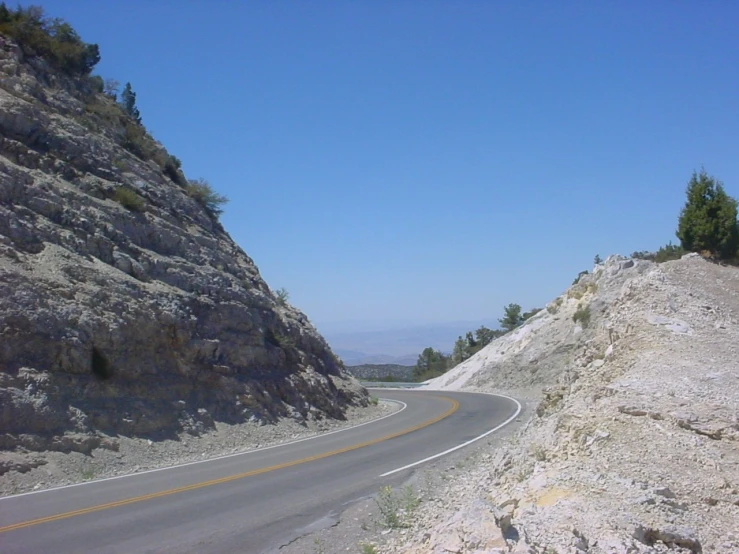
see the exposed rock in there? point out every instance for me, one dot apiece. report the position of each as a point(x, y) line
point(635, 455)
point(141, 319)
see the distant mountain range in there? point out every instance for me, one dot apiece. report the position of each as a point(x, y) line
point(399, 345)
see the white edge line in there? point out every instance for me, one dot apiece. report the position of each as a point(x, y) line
point(440, 454)
point(404, 406)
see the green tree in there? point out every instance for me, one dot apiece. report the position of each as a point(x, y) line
point(128, 103)
point(708, 220)
point(511, 317)
point(460, 353)
point(485, 336)
point(430, 364)
point(597, 260)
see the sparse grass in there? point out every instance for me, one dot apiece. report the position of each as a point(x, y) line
point(367, 548)
point(318, 546)
point(374, 400)
point(524, 474)
point(581, 289)
point(88, 473)
point(109, 112)
point(582, 316)
point(577, 294)
point(128, 199)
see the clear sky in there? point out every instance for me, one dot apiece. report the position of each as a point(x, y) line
point(430, 161)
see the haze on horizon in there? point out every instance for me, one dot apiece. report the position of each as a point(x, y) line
point(429, 162)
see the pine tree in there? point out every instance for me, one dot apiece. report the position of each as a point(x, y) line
point(128, 103)
point(708, 220)
point(512, 317)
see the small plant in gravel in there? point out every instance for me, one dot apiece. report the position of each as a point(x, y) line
point(396, 507)
point(410, 500)
point(538, 452)
point(374, 400)
point(387, 503)
point(368, 548)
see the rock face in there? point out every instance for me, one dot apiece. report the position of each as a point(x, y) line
point(632, 445)
point(125, 308)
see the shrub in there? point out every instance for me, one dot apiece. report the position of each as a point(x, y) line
point(136, 141)
point(172, 169)
point(201, 191)
point(282, 296)
point(96, 83)
point(582, 315)
point(128, 199)
point(579, 276)
point(669, 252)
point(107, 111)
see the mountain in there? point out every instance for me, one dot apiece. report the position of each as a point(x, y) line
point(396, 345)
point(125, 307)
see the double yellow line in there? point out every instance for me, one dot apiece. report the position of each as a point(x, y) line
point(454, 407)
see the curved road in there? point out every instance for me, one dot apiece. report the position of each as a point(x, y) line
point(250, 502)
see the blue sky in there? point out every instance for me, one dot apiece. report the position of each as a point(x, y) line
point(432, 161)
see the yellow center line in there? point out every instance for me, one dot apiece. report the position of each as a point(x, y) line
point(91, 509)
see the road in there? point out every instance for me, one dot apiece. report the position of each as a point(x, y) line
point(251, 502)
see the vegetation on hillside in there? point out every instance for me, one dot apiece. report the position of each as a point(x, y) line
point(55, 41)
point(433, 362)
point(51, 38)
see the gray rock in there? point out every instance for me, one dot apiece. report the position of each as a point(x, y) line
point(119, 312)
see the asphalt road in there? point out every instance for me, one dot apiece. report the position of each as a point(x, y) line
point(251, 502)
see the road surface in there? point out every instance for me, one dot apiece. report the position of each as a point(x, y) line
point(250, 502)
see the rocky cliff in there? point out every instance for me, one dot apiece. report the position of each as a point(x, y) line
point(125, 308)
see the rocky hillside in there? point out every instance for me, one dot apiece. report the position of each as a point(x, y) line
point(125, 308)
point(632, 378)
